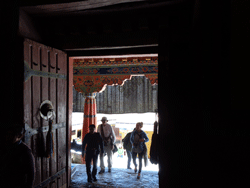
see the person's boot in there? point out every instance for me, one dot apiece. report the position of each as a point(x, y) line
point(139, 176)
point(135, 169)
point(94, 175)
point(94, 179)
point(102, 171)
point(109, 170)
point(89, 179)
point(89, 175)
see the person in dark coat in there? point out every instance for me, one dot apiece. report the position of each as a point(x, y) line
point(137, 139)
point(18, 168)
point(128, 146)
point(94, 144)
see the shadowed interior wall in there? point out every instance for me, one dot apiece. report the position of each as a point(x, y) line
point(135, 96)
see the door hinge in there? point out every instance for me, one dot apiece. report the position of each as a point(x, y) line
point(32, 131)
point(28, 72)
point(51, 179)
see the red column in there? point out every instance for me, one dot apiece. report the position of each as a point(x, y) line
point(89, 114)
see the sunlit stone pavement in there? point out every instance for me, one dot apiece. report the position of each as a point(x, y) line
point(119, 177)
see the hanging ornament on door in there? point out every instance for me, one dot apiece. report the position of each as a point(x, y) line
point(47, 112)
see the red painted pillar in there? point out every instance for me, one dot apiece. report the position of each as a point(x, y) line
point(89, 114)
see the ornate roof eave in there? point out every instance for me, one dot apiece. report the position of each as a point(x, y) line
point(93, 75)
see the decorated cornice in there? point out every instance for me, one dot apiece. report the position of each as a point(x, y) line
point(92, 84)
point(153, 78)
point(96, 62)
point(92, 75)
point(125, 70)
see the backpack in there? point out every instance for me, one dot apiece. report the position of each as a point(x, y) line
point(126, 141)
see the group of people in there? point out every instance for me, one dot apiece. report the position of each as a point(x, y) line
point(102, 142)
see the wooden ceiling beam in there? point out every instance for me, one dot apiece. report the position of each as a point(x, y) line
point(100, 7)
point(73, 6)
point(121, 50)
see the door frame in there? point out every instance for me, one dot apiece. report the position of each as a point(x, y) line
point(69, 115)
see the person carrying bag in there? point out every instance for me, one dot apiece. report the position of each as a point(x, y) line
point(138, 139)
point(128, 146)
point(109, 139)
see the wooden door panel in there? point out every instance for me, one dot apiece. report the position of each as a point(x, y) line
point(52, 98)
point(61, 111)
point(44, 96)
point(50, 172)
point(36, 101)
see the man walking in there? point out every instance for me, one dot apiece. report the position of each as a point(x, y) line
point(94, 143)
point(109, 138)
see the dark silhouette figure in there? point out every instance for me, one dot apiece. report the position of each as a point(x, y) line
point(94, 144)
point(154, 148)
point(128, 146)
point(17, 169)
point(138, 138)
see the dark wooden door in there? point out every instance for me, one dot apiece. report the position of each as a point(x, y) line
point(46, 79)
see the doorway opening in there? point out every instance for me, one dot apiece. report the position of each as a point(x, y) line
point(118, 103)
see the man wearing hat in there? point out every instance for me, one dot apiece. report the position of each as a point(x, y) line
point(109, 138)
